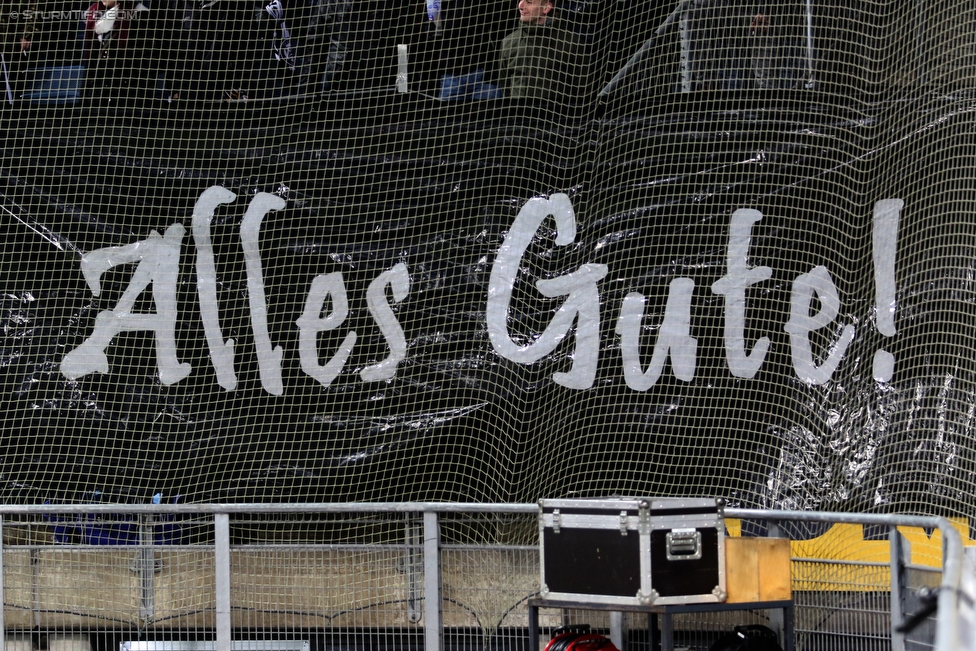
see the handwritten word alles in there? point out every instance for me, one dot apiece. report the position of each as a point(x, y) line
point(158, 263)
point(157, 259)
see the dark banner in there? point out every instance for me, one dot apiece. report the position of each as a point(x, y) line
point(760, 294)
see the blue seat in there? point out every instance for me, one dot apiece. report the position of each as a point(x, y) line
point(56, 85)
point(470, 86)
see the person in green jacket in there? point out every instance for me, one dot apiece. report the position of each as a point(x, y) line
point(540, 60)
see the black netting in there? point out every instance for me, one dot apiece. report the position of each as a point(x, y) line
point(768, 295)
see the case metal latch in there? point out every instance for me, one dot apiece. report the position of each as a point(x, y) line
point(683, 545)
point(623, 523)
point(557, 521)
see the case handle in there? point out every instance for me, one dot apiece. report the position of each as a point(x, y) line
point(683, 545)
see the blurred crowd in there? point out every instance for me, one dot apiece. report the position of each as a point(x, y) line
point(239, 50)
point(181, 49)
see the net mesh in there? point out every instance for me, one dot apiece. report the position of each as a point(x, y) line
point(329, 250)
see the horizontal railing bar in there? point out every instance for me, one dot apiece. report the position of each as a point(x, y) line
point(301, 547)
point(489, 548)
point(437, 507)
point(372, 547)
point(827, 561)
point(292, 547)
point(90, 547)
point(327, 507)
point(889, 519)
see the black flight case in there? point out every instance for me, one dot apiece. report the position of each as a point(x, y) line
point(632, 551)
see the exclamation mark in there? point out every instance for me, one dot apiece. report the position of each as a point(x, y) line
point(886, 216)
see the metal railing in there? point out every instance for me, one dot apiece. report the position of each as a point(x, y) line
point(951, 631)
point(425, 572)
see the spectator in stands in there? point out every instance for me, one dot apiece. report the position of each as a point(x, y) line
point(282, 66)
point(540, 60)
point(106, 39)
point(20, 28)
point(229, 39)
point(470, 32)
point(254, 56)
point(187, 41)
point(207, 49)
point(328, 38)
point(106, 29)
point(175, 57)
point(733, 46)
point(346, 45)
point(140, 53)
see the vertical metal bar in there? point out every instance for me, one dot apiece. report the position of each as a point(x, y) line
point(403, 66)
point(432, 583)
point(618, 630)
point(533, 628)
point(777, 616)
point(686, 62)
point(789, 636)
point(953, 630)
point(413, 562)
point(6, 80)
point(811, 82)
point(777, 622)
point(667, 632)
point(3, 628)
point(147, 568)
point(35, 586)
point(900, 555)
point(222, 586)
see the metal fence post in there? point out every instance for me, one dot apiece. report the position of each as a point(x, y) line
point(432, 583)
point(222, 579)
point(413, 564)
point(618, 630)
point(146, 563)
point(3, 628)
point(778, 618)
point(901, 555)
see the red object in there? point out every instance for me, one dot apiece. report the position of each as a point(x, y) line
point(580, 642)
point(120, 31)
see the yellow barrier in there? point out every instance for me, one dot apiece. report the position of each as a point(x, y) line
point(841, 559)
